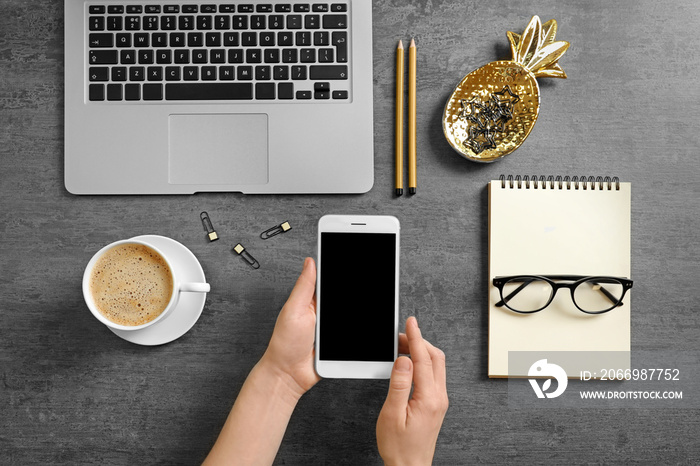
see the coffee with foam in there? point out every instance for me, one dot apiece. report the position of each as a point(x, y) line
point(131, 284)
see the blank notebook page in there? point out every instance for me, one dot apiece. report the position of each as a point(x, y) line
point(552, 230)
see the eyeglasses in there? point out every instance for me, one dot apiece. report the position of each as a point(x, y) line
point(532, 293)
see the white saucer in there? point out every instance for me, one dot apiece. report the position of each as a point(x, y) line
point(188, 309)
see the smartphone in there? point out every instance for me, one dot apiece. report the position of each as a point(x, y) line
point(357, 296)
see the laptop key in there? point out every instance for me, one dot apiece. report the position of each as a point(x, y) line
point(226, 73)
point(335, 21)
point(231, 39)
point(209, 91)
point(97, 40)
point(209, 73)
point(152, 92)
point(258, 22)
point(97, 23)
point(299, 72)
point(328, 72)
point(312, 21)
point(168, 23)
point(245, 73)
point(96, 92)
point(132, 92)
point(123, 40)
point(285, 91)
point(240, 22)
point(325, 55)
point(99, 73)
point(150, 23)
point(141, 39)
point(145, 57)
point(172, 73)
point(294, 22)
point(114, 92)
point(103, 57)
point(265, 91)
point(182, 56)
point(128, 57)
point(119, 73)
point(137, 73)
point(191, 73)
point(204, 22)
point(222, 22)
point(276, 22)
point(114, 23)
point(195, 39)
point(186, 23)
point(155, 73)
point(340, 40)
point(308, 55)
point(133, 23)
point(262, 73)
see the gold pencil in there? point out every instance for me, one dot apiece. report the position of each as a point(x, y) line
point(412, 179)
point(399, 119)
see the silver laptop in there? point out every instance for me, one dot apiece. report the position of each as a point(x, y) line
point(178, 97)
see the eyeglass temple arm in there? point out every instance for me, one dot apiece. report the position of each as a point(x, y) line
point(502, 302)
point(609, 295)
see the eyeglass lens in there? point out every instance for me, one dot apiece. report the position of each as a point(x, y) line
point(527, 294)
point(598, 294)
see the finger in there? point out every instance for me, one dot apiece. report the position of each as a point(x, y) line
point(399, 390)
point(403, 344)
point(423, 367)
point(302, 296)
point(437, 356)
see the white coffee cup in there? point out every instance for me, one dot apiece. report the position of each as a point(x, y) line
point(178, 286)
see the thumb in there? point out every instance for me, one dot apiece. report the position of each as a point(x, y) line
point(399, 388)
point(303, 292)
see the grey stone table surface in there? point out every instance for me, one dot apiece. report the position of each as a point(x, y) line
point(71, 392)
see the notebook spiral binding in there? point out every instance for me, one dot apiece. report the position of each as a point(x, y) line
point(558, 182)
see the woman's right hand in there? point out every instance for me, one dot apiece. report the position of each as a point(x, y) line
point(407, 429)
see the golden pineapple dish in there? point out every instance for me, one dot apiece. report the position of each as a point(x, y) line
point(493, 109)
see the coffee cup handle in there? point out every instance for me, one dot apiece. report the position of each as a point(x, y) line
point(195, 287)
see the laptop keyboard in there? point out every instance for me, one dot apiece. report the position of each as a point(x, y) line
point(218, 52)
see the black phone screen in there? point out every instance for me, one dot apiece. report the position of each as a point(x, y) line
point(357, 299)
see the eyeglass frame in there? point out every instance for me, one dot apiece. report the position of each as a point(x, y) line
point(499, 283)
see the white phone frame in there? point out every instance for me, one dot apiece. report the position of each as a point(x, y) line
point(356, 224)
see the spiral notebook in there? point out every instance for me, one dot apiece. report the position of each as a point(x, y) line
point(558, 226)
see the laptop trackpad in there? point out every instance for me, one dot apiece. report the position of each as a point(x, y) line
point(218, 149)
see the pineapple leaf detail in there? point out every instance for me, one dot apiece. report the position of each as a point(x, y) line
point(530, 41)
point(550, 31)
point(537, 50)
